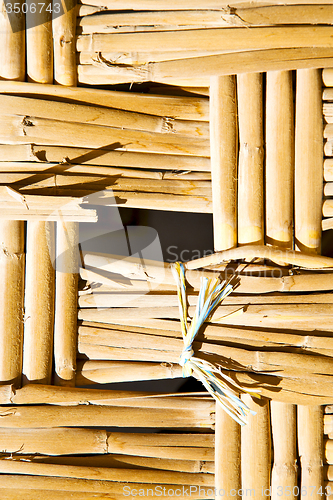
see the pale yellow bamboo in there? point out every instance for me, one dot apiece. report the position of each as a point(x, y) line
point(39, 43)
point(134, 58)
point(65, 336)
point(64, 30)
point(192, 5)
point(185, 108)
point(256, 448)
point(12, 41)
point(328, 170)
point(279, 173)
point(311, 450)
point(101, 372)
point(328, 148)
point(39, 303)
point(329, 447)
point(250, 164)
point(38, 494)
point(327, 76)
point(308, 161)
point(284, 434)
point(94, 416)
point(223, 135)
point(11, 300)
point(227, 454)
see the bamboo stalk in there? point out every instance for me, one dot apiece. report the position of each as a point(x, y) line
point(284, 433)
point(250, 163)
point(183, 108)
point(308, 161)
point(310, 439)
point(256, 448)
point(65, 332)
point(328, 170)
point(279, 159)
point(328, 148)
point(227, 453)
point(39, 303)
point(137, 58)
point(94, 416)
point(192, 5)
point(223, 160)
point(12, 38)
point(39, 44)
point(327, 76)
point(64, 31)
point(11, 300)
point(33, 494)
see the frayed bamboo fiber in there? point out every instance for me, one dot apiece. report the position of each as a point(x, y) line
point(248, 61)
point(273, 14)
point(311, 449)
point(18, 129)
point(99, 416)
point(227, 454)
point(223, 151)
point(39, 303)
point(183, 108)
point(107, 59)
point(308, 161)
point(279, 172)
point(56, 441)
point(256, 448)
point(64, 31)
point(65, 327)
point(284, 434)
point(131, 461)
point(104, 372)
point(70, 112)
point(275, 37)
point(39, 44)
point(12, 39)
point(250, 164)
point(11, 300)
point(105, 474)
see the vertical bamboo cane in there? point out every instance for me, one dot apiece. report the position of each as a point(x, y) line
point(279, 158)
point(284, 430)
point(65, 329)
point(227, 455)
point(64, 28)
point(251, 151)
point(311, 451)
point(11, 300)
point(39, 303)
point(12, 43)
point(39, 42)
point(256, 449)
point(308, 160)
point(223, 135)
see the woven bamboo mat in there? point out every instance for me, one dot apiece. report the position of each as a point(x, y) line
point(246, 148)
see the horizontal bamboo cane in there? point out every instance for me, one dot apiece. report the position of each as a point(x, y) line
point(93, 416)
point(188, 5)
point(99, 116)
point(33, 494)
point(184, 108)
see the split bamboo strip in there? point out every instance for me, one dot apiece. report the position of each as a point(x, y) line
point(99, 416)
point(250, 164)
point(247, 61)
point(223, 136)
point(56, 441)
point(308, 161)
point(183, 108)
point(284, 434)
point(18, 129)
point(11, 300)
point(256, 448)
point(65, 327)
point(273, 37)
point(12, 40)
point(279, 172)
point(194, 4)
point(64, 31)
point(105, 474)
point(272, 14)
point(138, 58)
point(39, 303)
point(227, 454)
point(311, 450)
point(99, 116)
point(39, 43)
point(105, 372)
